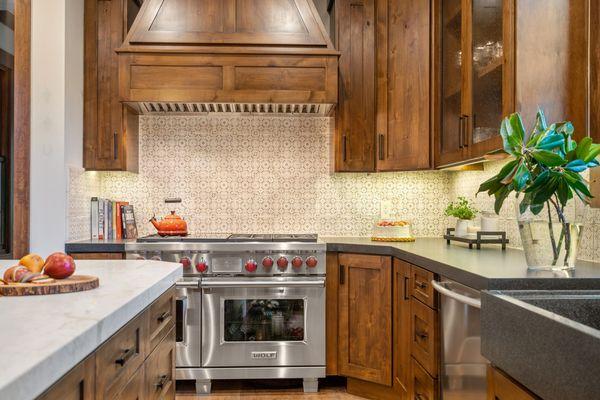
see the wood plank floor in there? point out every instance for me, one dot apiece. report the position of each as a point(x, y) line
point(265, 390)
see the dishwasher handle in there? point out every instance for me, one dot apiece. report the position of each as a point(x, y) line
point(441, 287)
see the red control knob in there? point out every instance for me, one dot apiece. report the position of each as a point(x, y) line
point(311, 262)
point(282, 262)
point(250, 266)
point(186, 262)
point(267, 262)
point(201, 266)
point(297, 262)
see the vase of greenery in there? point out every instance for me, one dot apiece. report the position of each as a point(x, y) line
point(465, 212)
point(545, 172)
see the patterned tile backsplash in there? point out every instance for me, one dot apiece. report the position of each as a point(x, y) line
point(272, 174)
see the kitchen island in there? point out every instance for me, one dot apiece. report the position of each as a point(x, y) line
point(46, 336)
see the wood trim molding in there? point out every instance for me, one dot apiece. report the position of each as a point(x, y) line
point(21, 131)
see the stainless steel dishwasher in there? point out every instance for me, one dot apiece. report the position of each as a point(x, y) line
point(463, 372)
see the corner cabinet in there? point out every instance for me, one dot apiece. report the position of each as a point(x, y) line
point(382, 327)
point(491, 64)
point(383, 118)
point(110, 136)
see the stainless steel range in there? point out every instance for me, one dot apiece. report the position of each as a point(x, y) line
point(248, 307)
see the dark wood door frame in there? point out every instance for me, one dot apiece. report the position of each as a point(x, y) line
point(21, 131)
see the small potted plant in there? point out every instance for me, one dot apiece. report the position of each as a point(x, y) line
point(545, 172)
point(465, 212)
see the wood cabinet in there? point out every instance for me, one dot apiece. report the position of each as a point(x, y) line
point(364, 307)
point(110, 129)
point(137, 362)
point(382, 360)
point(97, 256)
point(383, 119)
point(502, 387)
point(77, 384)
point(401, 327)
point(488, 55)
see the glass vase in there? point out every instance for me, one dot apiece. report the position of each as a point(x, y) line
point(551, 238)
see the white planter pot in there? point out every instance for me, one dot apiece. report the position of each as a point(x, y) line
point(462, 226)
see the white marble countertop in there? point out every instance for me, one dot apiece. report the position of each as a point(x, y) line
point(43, 337)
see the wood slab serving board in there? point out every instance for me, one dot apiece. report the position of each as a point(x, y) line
point(75, 283)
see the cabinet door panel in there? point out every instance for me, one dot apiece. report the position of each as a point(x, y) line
point(450, 146)
point(402, 329)
point(365, 329)
point(404, 75)
point(355, 131)
point(77, 384)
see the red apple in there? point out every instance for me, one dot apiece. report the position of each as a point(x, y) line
point(15, 274)
point(59, 266)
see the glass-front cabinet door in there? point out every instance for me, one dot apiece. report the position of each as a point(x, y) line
point(487, 71)
point(452, 137)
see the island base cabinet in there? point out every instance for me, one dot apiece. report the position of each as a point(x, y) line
point(127, 366)
point(77, 384)
point(160, 370)
point(134, 390)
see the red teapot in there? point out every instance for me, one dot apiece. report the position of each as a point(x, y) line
point(172, 224)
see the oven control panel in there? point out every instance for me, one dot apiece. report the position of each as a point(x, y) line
point(264, 263)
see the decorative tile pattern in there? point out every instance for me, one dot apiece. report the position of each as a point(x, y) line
point(266, 174)
point(82, 186)
point(272, 174)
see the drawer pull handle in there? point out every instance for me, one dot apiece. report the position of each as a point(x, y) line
point(422, 285)
point(127, 354)
point(162, 317)
point(419, 396)
point(162, 382)
point(422, 335)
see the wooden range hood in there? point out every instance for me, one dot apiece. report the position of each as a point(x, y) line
point(264, 56)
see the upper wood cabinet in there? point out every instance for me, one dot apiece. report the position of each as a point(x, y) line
point(496, 57)
point(110, 133)
point(383, 118)
point(355, 116)
point(365, 328)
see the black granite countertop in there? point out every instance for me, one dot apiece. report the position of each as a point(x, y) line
point(488, 268)
point(549, 341)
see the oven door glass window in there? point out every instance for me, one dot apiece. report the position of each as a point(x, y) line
point(264, 320)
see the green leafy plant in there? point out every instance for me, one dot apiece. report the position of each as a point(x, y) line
point(461, 209)
point(545, 169)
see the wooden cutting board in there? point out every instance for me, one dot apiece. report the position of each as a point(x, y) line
point(75, 283)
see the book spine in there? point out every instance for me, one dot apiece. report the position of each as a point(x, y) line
point(113, 219)
point(109, 218)
point(101, 219)
point(123, 225)
point(94, 218)
point(105, 206)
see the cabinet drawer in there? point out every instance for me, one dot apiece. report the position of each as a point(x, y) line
point(120, 356)
point(134, 390)
point(160, 370)
point(161, 318)
point(503, 387)
point(421, 286)
point(423, 386)
point(424, 346)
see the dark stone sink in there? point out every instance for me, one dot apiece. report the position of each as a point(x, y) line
point(547, 340)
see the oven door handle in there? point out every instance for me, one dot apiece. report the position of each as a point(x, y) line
point(222, 283)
